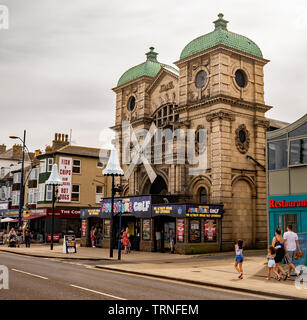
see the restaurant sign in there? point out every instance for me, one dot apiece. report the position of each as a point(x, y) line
point(87, 213)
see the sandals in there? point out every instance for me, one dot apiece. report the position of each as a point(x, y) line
point(240, 276)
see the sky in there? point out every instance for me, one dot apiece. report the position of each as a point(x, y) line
point(60, 59)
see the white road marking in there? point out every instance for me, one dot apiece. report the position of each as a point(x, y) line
point(94, 291)
point(30, 274)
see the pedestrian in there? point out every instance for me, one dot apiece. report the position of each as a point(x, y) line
point(278, 243)
point(172, 243)
point(271, 263)
point(93, 236)
point(239, 258)
point(126, 241)
point(19, 237)
point(28, 238)
point(291, 242)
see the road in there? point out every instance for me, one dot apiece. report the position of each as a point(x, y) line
point(41, 279)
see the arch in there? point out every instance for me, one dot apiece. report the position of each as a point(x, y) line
point(248, 180)
point(196, 184)
point(125, 192)
point(146, 185)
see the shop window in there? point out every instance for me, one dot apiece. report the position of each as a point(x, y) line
point(290, 219)
point(203, 195)
point(49, 164)
point(195, 231)
point(76, 167)
point(75, 193)
point(146, 229)
point(298, 152)
point(99, 193)
point(278, 154)
point(210, 230)
point(106, 228)
point(180, 230)
point(48, 193)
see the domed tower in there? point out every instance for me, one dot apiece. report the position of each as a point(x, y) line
point(221, 89)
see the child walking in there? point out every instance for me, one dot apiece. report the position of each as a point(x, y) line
point(271, 263)
point(239, 258)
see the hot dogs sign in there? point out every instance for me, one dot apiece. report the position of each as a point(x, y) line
point(65, 171)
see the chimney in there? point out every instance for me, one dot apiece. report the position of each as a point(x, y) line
point(37, 153)
point(17, 151)
point(2, 148)
point(60, 140)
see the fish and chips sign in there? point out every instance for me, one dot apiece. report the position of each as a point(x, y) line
point(65, 172)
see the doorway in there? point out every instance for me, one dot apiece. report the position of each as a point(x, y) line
point(165, 230)
point(134, 226)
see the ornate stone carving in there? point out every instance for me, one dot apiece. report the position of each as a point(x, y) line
point(222, 115)
point(262, 123)
point(166, 87)
point(242, 138)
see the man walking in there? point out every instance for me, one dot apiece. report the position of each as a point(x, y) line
point(291, 242)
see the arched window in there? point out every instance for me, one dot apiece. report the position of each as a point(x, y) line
point(164, 114)
point(203, 198)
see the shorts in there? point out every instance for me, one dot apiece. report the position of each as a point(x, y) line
point(271, 263)
point(239, 258)
point(291, 257)
point(19, 238)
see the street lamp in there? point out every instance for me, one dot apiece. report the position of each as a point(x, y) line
point(54, 180)
point(21, 197)
point(113, 169)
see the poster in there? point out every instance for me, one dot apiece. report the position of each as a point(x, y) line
point(180, 230)
point(195, 235)
point(210, 230)
point(302, 238)
point(106, 228)
point(83, 228)
point(146, 229)
point(69, 244)
point(65, 171)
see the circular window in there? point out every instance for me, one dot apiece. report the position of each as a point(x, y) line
point(242, 136)
point(241, 78)
point(131, 103)
point(201, 79)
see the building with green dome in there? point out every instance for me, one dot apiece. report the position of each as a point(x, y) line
point(217, 86)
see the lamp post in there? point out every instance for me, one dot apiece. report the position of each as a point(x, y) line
point(21, 197)
point(113, 169)
point(54, 180)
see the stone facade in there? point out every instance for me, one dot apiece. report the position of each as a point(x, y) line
point(223, 108)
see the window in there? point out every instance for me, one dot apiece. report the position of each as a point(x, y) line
point(3, 193)
point(42, 166)
point(76, 167)
point(298, 152)
point(32, 196)
point(290, 219)
point(48, 193)
point(202, 195)
point(195, 231)
point(201, 79)
point(106, 228)
point(241, 78)
point(41, 192)
point(17, 177)
point(33, 174)
point(278, 154)
point(164, 114)
point(15, 198)
point(210, 230)
point(131, 103)
point(100, 164)
point(99, 193)
point(75, 193)
point(49, 164)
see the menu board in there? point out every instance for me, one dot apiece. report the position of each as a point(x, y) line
point(146, 229)
point(180, 230)
point(210, 230)
point(195, 233)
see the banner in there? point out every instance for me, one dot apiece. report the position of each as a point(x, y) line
point(302, 238)
point(65, 172)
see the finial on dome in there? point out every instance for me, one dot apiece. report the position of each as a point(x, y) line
point(151, 55)
point(220, 23)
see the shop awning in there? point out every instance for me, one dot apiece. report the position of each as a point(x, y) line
point(32, 217)
point(9, 220)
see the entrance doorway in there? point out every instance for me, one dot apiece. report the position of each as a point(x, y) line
point(95, 223)
point(165, 230)
point(134, 226)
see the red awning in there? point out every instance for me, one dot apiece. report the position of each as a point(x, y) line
point(32, 217)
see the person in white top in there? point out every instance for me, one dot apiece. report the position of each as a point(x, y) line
point(291, 242)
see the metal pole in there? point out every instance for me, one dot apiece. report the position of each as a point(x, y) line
point(52, 222)
point(119, 233)
point(112, 217)
point(21, 197)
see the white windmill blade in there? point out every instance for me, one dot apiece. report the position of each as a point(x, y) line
point(150, 134)
point(135, 141)
point(150, 171)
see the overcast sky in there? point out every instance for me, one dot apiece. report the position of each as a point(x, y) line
point(60, 59)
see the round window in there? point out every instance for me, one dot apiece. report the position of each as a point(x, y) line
point(201, 79)
point(242, 136)
point(241, 78)
point(131, 103)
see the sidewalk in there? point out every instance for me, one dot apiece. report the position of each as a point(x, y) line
point(214, 270)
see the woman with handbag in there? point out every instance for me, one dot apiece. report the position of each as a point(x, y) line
point(278, 243)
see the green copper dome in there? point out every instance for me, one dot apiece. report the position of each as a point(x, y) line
point(148, 68)
point(221, 35)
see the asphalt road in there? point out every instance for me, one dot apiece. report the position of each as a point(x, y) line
point(48, 279)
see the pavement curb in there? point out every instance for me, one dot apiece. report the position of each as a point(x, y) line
point(53, 257)
point(203, 283)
